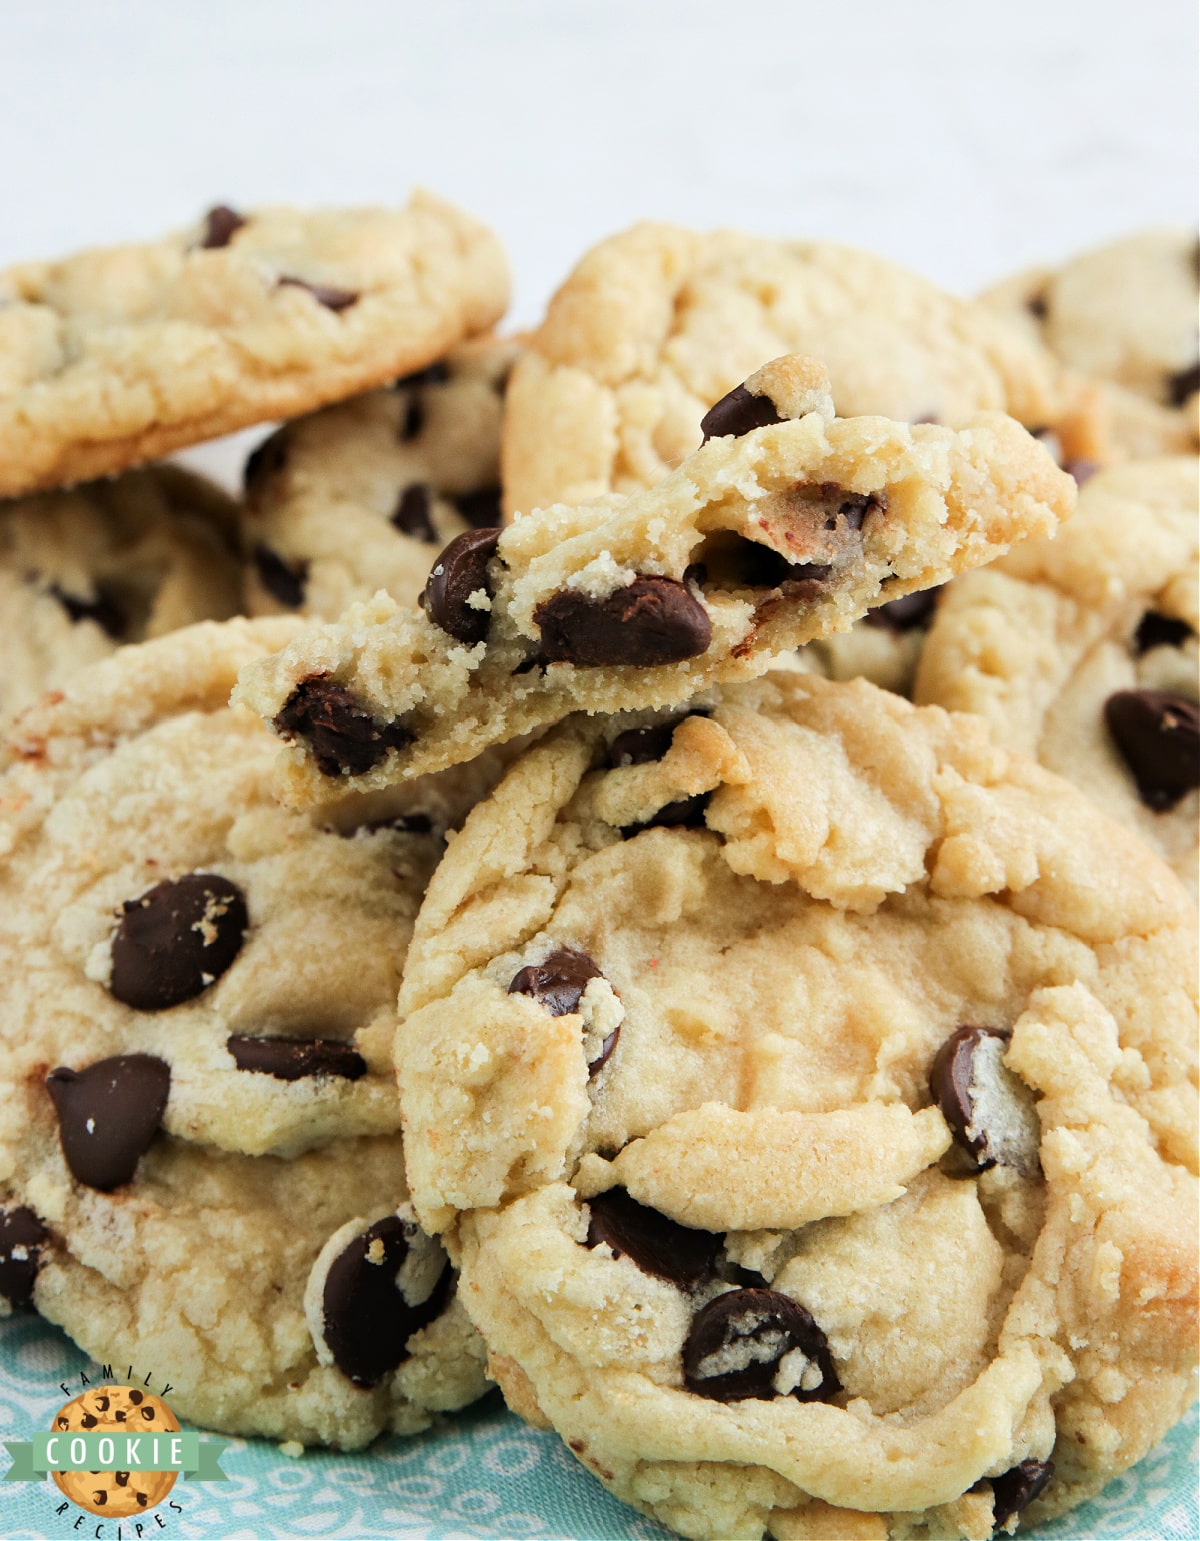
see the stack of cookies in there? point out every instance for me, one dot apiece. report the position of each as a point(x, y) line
point(634, 864)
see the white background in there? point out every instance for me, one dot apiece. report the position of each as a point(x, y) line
point(966, 138)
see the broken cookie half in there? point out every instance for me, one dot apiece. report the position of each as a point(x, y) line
point(788, 524)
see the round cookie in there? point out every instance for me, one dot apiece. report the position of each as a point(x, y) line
point(657, 323)
point(116, 1494)
point(361, 496)
point(808, 1088)
point(1126, 314)
point(179, 950)
point(200, 1158)
point(105, 563)
point(121, 354)
point(1082, 651)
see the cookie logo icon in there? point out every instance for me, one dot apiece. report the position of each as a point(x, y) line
point(123, 1411)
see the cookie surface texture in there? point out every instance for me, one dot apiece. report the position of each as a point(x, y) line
point(1082, 651)
point(363, 495)
point(82, 572)
point(659, 322)
point(199, 1135)
point(806, 1087)
point(119, 355)
point(766, 537)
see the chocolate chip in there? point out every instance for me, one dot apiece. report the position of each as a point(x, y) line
point(650, 621)
point(1158, 737)
point(1037, 305)
point(559, 982)
point(176, 939)
point(460, 571)
point(757, 1343)
point(324, 294)
point(436, 373)
point(990, 1110)
point(1016, 1489)
point(136, 1397)
point(292, 1059)
point(412, 516)
point(657, 1245)
point(1158, 630)
point(22, 1237)
point(906, 613)
point(221, 224)
point(480, 509)
point(642, 746)
point(683, 813)
point(843, 510)
point(107, 1115)
point(412, 422)
point(738, 413)
point(264, 462)
point(342, 737)
point(1182, 385)
point(103, 610)
point(283, 580)
point(368, 1315)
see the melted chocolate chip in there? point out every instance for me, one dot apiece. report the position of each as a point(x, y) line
point(481, 509)
point(658, 1245)
point(367, 1318)
point(176, 939)
point(906, 613)
point(264, 462)
point(103, 610)
point(757, 1343)
point(433, 374)
point(221, 224)
point(22, 1237)
point(1158, 737)
point(737, 413)
point(412, 516)
point(342, 737)
point(843, 510)
point(1182, 385)
point(324, 294)
point(1158, 630)
point(108, 1114)
point(1016, 1489)
point(292, 1059)
point(990, 1110)
point(283, 580)
point(460, 571)
point(412, 422)
point(650, 621)
point(559, 982)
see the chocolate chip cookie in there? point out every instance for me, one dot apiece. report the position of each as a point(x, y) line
point(116, 356)
point(200, 1159)
point(181, 954)
point(361, 496)
point(1126, 314)
point(116, 1494)
point(109, 562)
point(657, 323)
point(788, 524)
point(1082, 651)
point(807, 1086)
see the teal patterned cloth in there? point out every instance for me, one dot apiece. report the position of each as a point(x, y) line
point(483, 1475)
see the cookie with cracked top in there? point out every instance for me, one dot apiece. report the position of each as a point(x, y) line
point(1082, 651)
point(181, 953)
point(118, 355)
point(361, 496)
point(658, 323)
point(83, 571)
point(1124, 314)
point(879, 1218)
point(762, 540)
